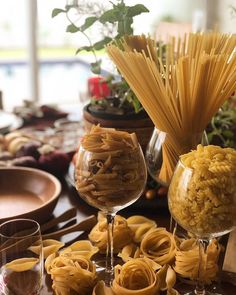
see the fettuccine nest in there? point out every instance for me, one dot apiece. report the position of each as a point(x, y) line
point(152, 258)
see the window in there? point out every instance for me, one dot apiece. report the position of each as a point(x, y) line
point(62, 76)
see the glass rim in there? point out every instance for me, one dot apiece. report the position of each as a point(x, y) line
point(184, 166)
point(84, 149)
point(21, 236)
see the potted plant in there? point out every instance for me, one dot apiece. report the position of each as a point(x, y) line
point(112, 102)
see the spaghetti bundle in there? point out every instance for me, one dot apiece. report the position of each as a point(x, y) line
point(182, 93)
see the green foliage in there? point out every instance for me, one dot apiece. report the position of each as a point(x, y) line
point(222, 129)
point(57, 11)
point(120, 17)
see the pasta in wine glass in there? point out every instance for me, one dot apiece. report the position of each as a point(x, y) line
point(202, 196)
point(110, 174)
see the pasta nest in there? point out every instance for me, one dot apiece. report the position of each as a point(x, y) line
point(159, 245)
point(136, 276)
point(122, 234)
point(187, 260)
point(140, 226)
point(71, 270)
point(142, 276)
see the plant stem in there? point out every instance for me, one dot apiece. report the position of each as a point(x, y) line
point(86, 36)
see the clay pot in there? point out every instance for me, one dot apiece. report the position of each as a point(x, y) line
point(139, 123)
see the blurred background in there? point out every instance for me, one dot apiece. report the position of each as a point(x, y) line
point(37, 55)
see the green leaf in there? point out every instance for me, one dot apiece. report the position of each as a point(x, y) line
point(57, 11)
point(228, 134)
point(109, 16)
point(210, 137)
point(127, 27)
point(88, 23)
point(137, 105)
point(96, 67)
point(72, 28)
point(136, 10)
point(101, 44)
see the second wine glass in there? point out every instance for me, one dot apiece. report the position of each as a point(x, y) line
point(202, 198)
point(110, 174)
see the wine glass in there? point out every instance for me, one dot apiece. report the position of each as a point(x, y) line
point(110, 180)
point(162, 154)
point(21, 268)
point(164, 149)
point(202, 200)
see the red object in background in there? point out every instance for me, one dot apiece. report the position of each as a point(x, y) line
point(98, 88)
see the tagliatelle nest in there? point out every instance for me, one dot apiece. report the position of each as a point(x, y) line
point(140, 226)
point(122, 234)
point(71, 270)
point(142, 276)
point(159, 245)
point(136, 276)
point(187, 260)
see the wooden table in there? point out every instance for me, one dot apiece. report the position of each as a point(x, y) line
point(70, 198)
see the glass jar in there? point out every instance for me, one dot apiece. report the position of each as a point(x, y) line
point(163, 151)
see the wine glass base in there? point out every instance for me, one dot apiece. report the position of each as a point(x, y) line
point(201, 293)
point(102, 272)
point(187, 287)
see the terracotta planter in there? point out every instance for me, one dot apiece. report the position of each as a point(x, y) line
point(139, 123)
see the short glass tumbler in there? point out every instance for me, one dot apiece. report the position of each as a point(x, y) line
point(21, 257)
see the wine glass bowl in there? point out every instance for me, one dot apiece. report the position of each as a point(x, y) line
point(153, 155)
point(200, 207)
point(110, 183)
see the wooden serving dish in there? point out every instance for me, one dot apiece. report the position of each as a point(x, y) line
point(27, 193)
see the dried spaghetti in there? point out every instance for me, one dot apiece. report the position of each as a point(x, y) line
point(182, 93)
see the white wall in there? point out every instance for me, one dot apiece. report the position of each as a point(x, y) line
point(220, 16)
point(217, 13)
point(177, 10)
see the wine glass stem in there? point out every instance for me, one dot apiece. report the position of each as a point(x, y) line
point(200, 286)
point(109, 254)
point(173, 225)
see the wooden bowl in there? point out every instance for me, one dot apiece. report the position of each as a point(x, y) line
point(27, 193)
